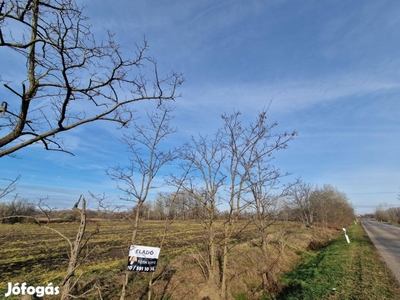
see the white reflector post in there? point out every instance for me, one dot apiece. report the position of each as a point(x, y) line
point(347, 238)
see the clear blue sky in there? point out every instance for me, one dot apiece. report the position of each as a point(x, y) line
point(330, 68)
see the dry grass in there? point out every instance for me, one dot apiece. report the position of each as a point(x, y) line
point(32, 254)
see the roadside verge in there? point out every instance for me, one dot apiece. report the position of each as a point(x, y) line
point(342, 271)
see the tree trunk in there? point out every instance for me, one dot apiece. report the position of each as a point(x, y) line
point(211, 253)
point(75, 250)
point(127, 274)
point(224, 270)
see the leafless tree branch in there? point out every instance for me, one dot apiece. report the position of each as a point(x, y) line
point(75, 79)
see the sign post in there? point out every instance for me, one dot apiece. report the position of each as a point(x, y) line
point(143, 258)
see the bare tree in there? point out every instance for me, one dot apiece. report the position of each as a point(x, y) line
point(146, 158)
point(17, 209)
point(76, 258)
point(333, 207)
point(75, 250)
point(300, 199)
point(265, 203)
point(159, 207)
point(81, 240)
point(203, 161)
point(170, 203)
point(219, 170)
point(70, 79)
point(249, 148)
point(9, 187)
point(385, 213)
point(380, 213)
point(325, 205)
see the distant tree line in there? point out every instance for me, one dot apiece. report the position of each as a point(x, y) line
point(387, 214)
point(302, 203)
point(324, 205)
point(18, 210)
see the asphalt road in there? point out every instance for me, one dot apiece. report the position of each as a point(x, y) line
point(386, 239)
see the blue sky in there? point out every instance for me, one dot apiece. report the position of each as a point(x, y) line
point(330, 68)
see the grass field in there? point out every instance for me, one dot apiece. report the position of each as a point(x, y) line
point(33, 254)
point(342, 271)
point(30, 253)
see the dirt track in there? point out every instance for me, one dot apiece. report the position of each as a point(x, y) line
point(386, 239)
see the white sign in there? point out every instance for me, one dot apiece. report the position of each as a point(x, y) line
point(143, 258)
